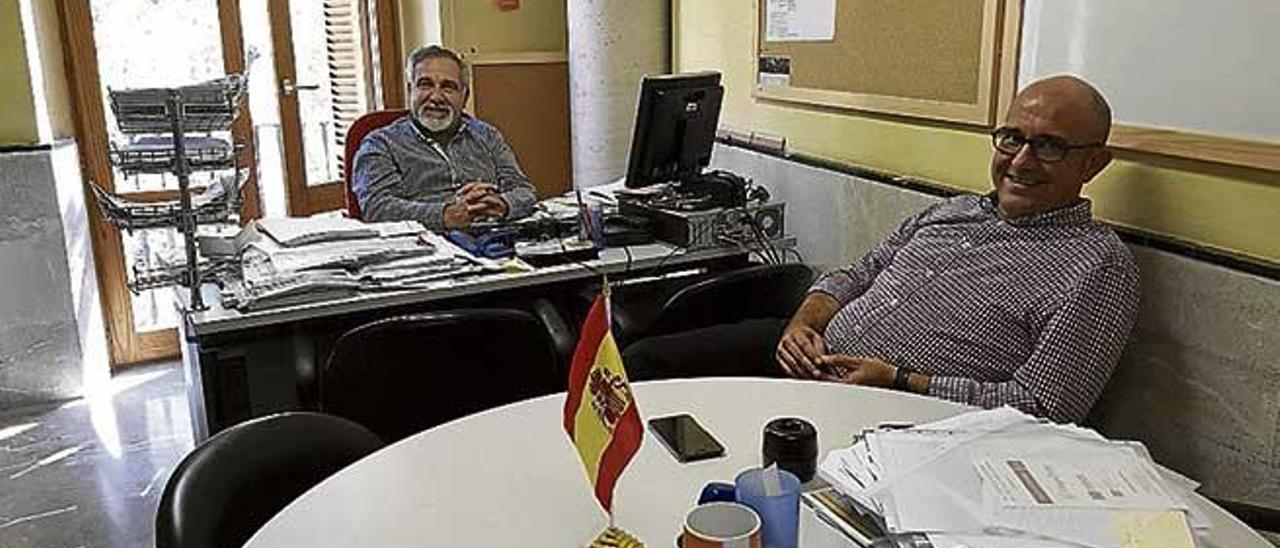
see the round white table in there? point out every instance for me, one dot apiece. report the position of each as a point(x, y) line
point(510, 477)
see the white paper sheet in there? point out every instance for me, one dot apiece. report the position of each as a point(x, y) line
point(1074, 480)
point(928, 479)
point(801, 20)
point(940, 540)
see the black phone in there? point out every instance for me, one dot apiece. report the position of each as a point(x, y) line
point(685, 438)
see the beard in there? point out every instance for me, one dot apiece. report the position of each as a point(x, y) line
point(434, 119)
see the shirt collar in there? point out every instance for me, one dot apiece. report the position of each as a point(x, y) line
point(1077, 213)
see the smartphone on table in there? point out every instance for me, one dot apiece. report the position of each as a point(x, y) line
point(685, 438)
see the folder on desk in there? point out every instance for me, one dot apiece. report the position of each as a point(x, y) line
point(842, 514)
point(1153, 529)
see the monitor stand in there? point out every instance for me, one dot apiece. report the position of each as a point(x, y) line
point(697, 192)
point(643, 192)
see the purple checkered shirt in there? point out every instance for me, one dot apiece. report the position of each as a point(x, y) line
point(1031, 312)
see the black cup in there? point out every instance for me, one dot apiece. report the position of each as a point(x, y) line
point(793, 444)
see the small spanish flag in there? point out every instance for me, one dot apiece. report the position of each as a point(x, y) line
point(600, 413)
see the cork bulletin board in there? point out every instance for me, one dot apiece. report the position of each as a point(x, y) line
point(951, 60)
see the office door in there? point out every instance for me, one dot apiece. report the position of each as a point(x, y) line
point(329, 57)
point(529, 102)
point(122, 44)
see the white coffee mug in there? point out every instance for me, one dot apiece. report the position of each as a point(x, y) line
point(722, 525)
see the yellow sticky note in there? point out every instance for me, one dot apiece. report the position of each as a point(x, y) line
point(1152, 529)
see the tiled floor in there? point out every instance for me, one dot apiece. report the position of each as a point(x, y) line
point(90, 472)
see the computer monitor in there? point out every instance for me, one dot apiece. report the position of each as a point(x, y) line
point(675, 128)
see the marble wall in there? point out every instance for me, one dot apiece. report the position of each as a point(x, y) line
point(51, 332)
point(1200, 379)
point(1199, 383)
point(608, 55)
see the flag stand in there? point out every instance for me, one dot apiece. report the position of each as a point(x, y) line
point(600, 414)
point(613, 537)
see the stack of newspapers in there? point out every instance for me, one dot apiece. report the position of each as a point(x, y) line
point(1001, 478)
point(291, 261)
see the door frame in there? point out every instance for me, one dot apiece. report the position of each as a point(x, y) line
point(80, 56)
point(385, 18)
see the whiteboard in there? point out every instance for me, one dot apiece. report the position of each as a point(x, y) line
point(1202, 66)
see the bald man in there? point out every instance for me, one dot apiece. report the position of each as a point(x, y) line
point(1014, 298)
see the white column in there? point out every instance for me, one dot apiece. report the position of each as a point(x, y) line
point(612, 45)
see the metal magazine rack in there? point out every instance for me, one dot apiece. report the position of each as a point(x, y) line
point(169, 131)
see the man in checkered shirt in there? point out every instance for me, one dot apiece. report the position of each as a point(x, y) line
point(1018, 297)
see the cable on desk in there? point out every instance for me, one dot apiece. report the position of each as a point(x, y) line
point(669, 255)
point(565, 251)
point(754, 225)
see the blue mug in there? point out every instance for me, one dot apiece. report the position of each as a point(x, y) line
point(779, 514)
point(718, 491)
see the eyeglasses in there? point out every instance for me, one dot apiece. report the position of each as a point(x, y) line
point(1045, 148)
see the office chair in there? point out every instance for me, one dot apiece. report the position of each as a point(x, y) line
point(761, 291)
point(355, 134)
point(230, 485)
point(402, 375)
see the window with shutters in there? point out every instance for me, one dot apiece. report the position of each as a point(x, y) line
point(336, 78)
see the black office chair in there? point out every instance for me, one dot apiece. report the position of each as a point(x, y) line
point(762, 291)
point(403, 375)
point(235, 481)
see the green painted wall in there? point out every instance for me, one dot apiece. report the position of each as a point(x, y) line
point(480, 27)
point(17, 110)
point(1235, 210)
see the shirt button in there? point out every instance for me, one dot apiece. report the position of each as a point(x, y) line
point(966, 245)
point(893, 301)
point(857, 329)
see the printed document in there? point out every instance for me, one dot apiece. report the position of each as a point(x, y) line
point(1064, 481)
point(801, 20)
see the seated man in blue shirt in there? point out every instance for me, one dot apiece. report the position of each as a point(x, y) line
point(1017, 297)
point(439, 165)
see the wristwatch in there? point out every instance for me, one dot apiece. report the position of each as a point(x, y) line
point(900, 379)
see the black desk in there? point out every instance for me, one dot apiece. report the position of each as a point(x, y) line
point(240, 365)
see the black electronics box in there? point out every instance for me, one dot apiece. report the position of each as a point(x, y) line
point(713, 227)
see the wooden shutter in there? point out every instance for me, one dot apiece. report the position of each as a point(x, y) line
point(350, 67)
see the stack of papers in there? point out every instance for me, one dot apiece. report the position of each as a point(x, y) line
point(291, 288)
point(300, 231)
point(1003, 478)
point(303, 260)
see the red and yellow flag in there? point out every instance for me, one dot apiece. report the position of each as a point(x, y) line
point(600, 413)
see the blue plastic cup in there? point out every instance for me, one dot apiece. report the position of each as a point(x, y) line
point(779, 513)
point(591, 224)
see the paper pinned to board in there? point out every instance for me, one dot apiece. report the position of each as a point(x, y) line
point(800, 20)
point(773, 71)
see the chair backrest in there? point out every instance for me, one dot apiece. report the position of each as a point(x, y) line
point(355, 134)
point(764, 291)
point(235, 481)
point(403, 375)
